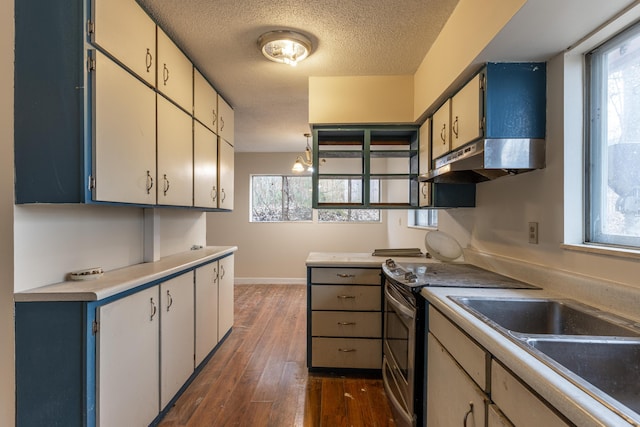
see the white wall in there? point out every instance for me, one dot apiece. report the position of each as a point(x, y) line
point(277, 251)
point(7, 385)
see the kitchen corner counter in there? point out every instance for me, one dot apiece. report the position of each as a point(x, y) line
point(355, 259)
point(124, 279)
point(574, 403)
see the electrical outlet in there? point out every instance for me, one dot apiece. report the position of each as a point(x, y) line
point(533, 233)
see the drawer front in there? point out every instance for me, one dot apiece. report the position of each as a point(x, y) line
point(346, 324)
point(520, 405)
point(473, 358)
point(336, 297)
point(346, 353)
point(359, 276)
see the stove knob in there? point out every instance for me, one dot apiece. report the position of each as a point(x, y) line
point(410, 277)
point(390, 263)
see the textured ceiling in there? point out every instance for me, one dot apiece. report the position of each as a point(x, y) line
point(373, 37)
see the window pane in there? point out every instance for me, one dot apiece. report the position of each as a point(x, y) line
point(425, 217)
point(614, 149)
point(280, 198)
point(347, 191)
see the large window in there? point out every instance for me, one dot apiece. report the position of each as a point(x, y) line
point(276, 198)
point(347, 191)
point(424, 218)
point(613, 160)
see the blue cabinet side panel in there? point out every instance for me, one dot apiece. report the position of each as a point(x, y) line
point(49, 364)
point(49, 97)
point(516, 100)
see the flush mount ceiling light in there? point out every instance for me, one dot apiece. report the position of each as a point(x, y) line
point(307, 161)
point(287, 47)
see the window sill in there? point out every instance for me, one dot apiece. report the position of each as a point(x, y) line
point(603, 250)
point(423, 227)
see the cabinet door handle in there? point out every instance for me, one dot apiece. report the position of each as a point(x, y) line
point(165, 74)
point(214, 193)
point(222, 272)
point(149, 182)
point(169, 300)
point(221, 123)
point(154, 309)
point(346, 350)
point(454, 127)
point(443, 133)
point(167, 184)
point(346, 323)
point(345, 275)
point(346, 296)
point(215, 117)
point(149, 60)
point(466, 416)
point(224, 195)
point(215, 275)
point(424, 189)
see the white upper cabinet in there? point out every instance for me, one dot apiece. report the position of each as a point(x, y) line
point(225, 174)
point(175, 155)
point(424, 159)
point(225, 121)
point(124, 136)
point(175, 72)
point(126, 32)
point(205, 102)
point(466, 114)
point(205, 167)
point(441, 140)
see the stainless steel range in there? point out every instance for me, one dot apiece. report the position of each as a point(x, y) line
point(406, 326)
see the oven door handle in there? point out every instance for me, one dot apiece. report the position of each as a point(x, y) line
point(408, 313)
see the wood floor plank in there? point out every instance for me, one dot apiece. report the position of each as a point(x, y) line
point(258, 376)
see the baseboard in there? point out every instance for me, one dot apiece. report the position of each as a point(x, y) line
point(270, 281)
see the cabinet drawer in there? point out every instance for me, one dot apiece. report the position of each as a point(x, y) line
point(346, 353)
point(473, 358)
point(359, 276)
point(336, 297)
point(521, 406)
point(346, 324)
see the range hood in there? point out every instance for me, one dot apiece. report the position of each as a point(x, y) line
point(488, 159)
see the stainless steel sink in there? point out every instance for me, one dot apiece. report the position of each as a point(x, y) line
point(612, 366)
point(547, 316)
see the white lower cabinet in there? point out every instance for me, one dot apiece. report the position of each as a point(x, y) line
point(176, 335)
point(127, 360)
point(225, 295)
point(206, 290)
point(453, 399)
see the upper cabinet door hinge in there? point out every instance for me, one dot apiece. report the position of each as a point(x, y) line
point(90, 27)
point(91, 64)
point(91, 184)
point(95, 327)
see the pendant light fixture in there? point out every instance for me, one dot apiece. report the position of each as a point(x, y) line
point(307, 161)
point(284, 46)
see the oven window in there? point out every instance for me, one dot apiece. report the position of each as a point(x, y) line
point(397, 338)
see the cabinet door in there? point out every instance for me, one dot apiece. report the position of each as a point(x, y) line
point(424, 193)
point(175, 72)
point(205, 167)
point(453, 399)
point(175, 155)
point(176, 335)
point(127, 360)
point(205, 102)
point(441, 139)
point(225, 121)
point(206, 310)
point(225, 177)
point(124, 30)
point(466, 114)
point(124, 136)
point(225, 295)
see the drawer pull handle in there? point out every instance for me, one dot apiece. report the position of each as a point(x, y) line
point(469, 412)
point(346, 296)
point(346, 350)
point(346, 323)
point(345, 275)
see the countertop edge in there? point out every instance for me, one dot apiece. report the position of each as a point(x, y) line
point(123, 279)
point(575, 404)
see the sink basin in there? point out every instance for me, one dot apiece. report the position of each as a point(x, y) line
point(546, 316)
point(613, 366)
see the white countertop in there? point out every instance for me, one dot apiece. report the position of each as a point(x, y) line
point(356, 259)
point(123, 279)
point(567, 398)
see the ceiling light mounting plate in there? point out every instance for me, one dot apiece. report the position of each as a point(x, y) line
point(285, 46)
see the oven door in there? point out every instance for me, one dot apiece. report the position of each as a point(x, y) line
point(399, 343)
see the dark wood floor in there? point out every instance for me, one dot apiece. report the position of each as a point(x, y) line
point(258, 377)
